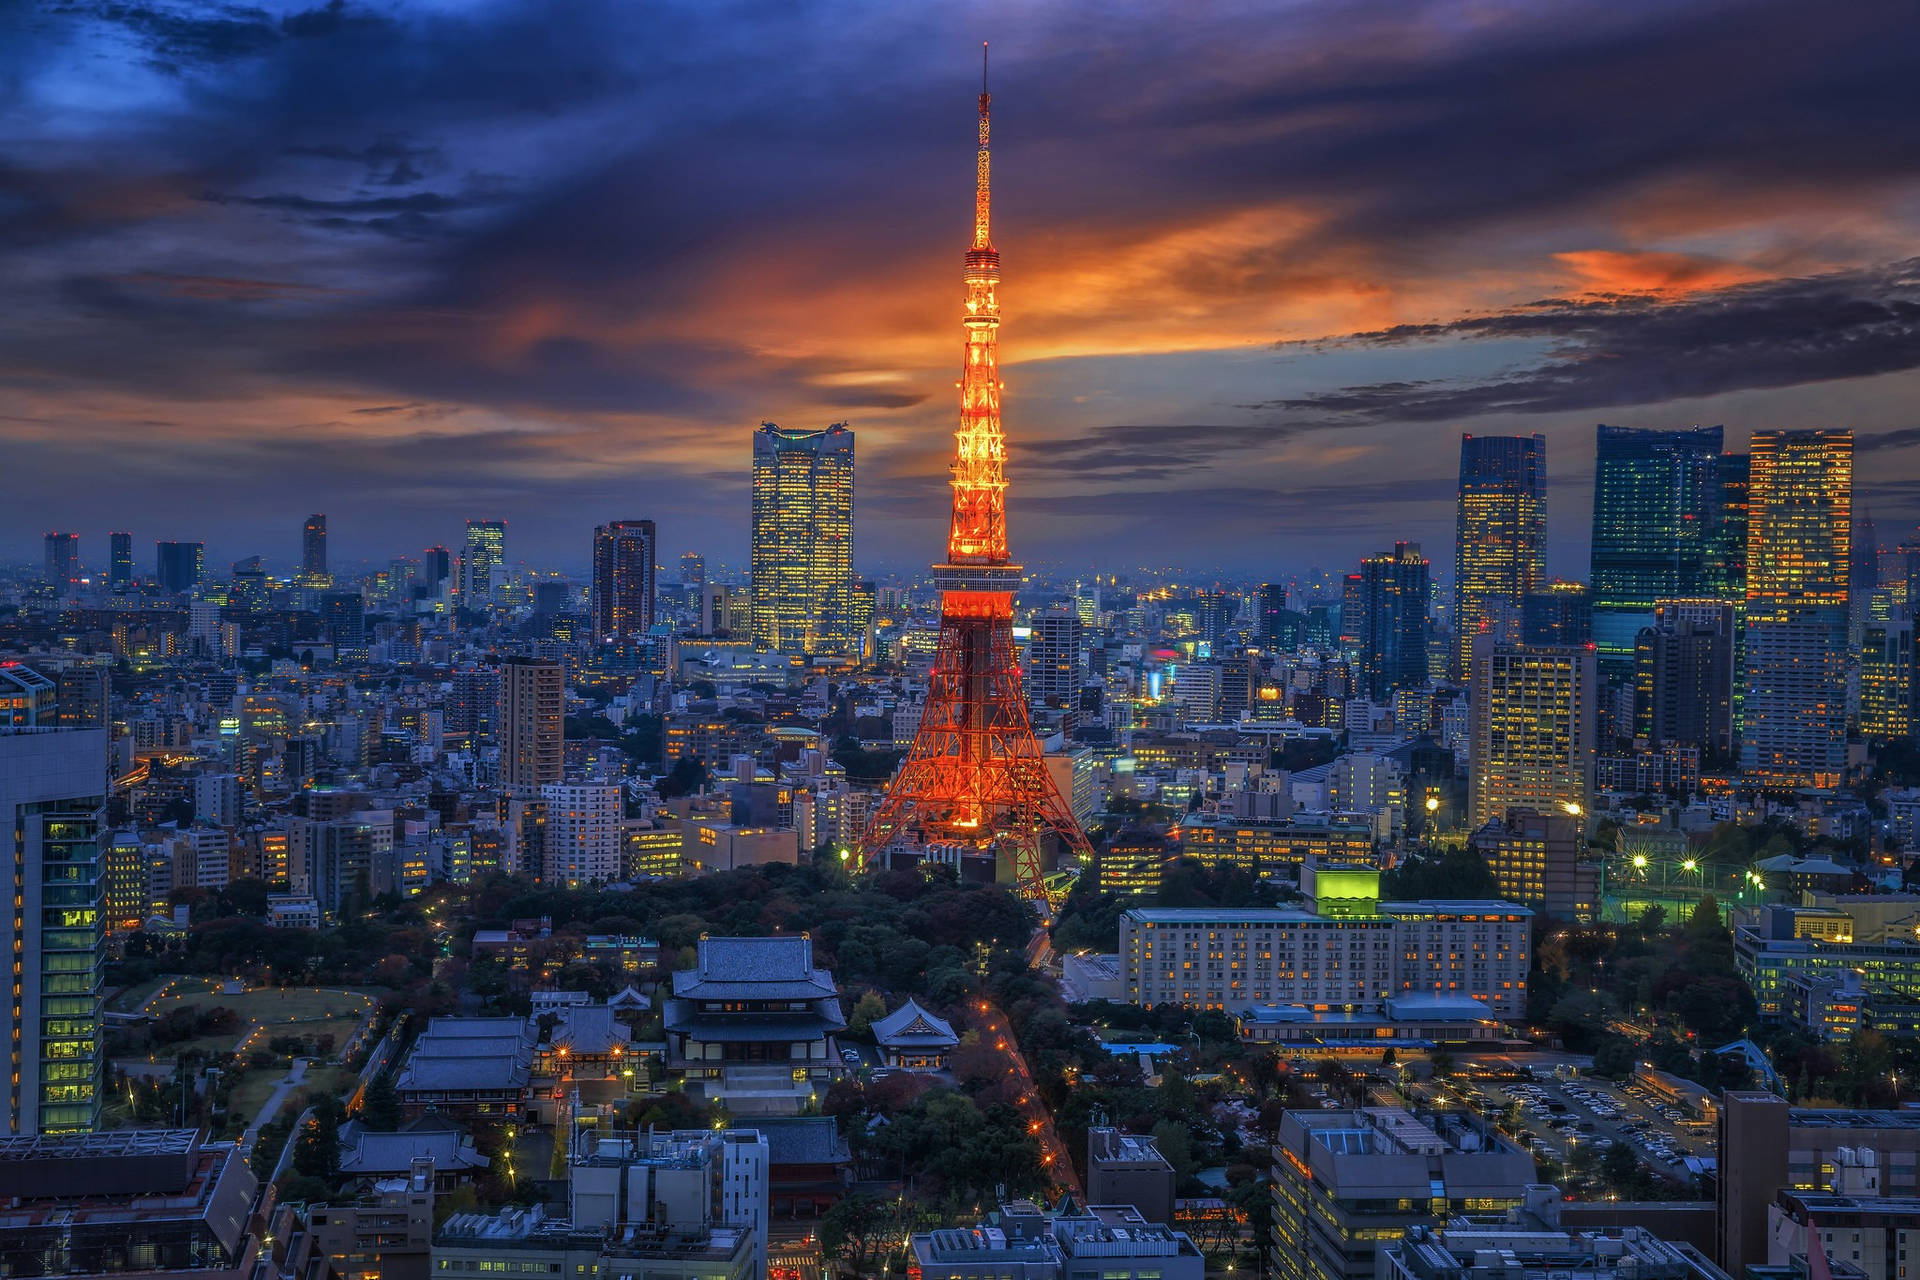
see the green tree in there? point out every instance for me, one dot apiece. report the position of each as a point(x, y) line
point(853, 1231)
point(686, 776)
point(380, 1109)
point(867, 1010)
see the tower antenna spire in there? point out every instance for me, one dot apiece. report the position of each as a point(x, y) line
point(983, 167)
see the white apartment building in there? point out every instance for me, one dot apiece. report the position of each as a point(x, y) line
point(583, 834)
point(1236, 958)
point(1460, 948)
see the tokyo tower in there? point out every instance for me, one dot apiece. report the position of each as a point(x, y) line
point(975, 779)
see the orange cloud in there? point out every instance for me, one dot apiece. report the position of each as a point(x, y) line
point(1609, 271)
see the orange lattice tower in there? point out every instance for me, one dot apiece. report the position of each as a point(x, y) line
point(975, 778)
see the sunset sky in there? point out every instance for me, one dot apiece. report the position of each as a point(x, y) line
point(552, 261)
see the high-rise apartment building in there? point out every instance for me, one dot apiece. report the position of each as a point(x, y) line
point(1685, 677)
point(1531, 736)
point(529, 722)
point(52, 809)
point(1799, 561)
point(63, 562)
point(802, 553)
point(119, 559)
point(1500, 535)
point(1054, 672)
point(178, 565)
point(622, 596)
point(486, 551)
point(1392, 626)
point(584, 833)
point(1657, 506)
point(313, 551)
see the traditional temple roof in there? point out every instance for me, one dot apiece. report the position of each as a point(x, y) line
point(754, 969)
point(911, 1027)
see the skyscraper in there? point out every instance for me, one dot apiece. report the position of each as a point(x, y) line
point(802, 555)
point(485, 551)
point(1727, 563)
point(1531, 729)
point(693, 569)
point(313, 551)
point(436, 571)
point(1657, 506)
point(1053, 670)
point(1392, 627)
point(345, 615)
point(63, 562)
point(1557, 613)
point(1886, 679)
point(623, 568)
point(52, 808)
point(119, 559)
point(178, 565)
point(1799, 559)
point(529, 723)
point(1685, 677)
point(1500, 535)
point(1272, 619)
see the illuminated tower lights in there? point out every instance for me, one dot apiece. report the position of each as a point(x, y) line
point(975, 778)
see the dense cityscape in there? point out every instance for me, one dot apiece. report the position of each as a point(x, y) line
point(631, 915)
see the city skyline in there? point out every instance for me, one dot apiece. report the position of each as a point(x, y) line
point(1290, 251)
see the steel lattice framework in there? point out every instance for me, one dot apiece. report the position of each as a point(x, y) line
point(975, 777)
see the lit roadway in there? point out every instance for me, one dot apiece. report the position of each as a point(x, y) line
point(996, 1035)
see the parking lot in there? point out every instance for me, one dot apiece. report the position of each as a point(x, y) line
point(1555, 1117)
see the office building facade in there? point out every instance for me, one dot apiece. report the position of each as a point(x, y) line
point(1500, 536)
point(1392, 626)
point(1685, 677)
point(63, 562)
point(52, 810)
point(1540, 860)
point(1054, 671)
point(313, 551)
point(802, 541)
point(1657, 505)
point(480, 565)
point(1799, 558)
point(119, 559)
point(622, 597)
point(178, 565)
point(1531, 734)
point(1348, 1184)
